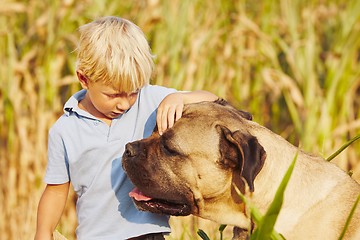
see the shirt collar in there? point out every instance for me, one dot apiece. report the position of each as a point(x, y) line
point(72, 105)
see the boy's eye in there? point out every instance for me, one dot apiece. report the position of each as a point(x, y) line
point(132, 94)
point(112, 95)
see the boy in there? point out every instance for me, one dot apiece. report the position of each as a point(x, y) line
point(117, 105)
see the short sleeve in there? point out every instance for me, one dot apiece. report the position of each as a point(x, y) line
point(57, 171)
point(156, 93)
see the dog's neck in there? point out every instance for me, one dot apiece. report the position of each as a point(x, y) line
point(228, 212)
point(309, 189)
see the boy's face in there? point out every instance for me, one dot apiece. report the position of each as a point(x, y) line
point(106, 101)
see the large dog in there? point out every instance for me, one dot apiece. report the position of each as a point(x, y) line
point(193, 168)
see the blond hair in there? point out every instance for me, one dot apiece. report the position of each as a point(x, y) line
point(115, 51)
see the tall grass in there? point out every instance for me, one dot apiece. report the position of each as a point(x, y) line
point(294, 64)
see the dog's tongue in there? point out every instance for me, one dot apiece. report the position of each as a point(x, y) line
point(139, 196)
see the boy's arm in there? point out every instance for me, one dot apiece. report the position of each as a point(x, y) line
point(50, 209)
point(171, 107)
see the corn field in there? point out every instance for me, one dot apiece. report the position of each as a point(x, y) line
point(294, 64)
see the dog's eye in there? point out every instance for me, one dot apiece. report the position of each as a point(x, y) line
point(167, 145)
point(169, 149)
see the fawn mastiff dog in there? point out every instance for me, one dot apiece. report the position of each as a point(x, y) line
point(193, 168)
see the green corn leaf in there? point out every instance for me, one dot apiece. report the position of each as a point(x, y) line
point(343, 147)
point(265, 228)
point(203, 235)
point(221, 230)
point(349, 218)
point(222, 227)
point(255, 213)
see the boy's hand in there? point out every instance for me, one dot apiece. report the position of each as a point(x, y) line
point(169, 111)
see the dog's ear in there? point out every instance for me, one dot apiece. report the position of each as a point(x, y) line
point(242, 152)
point(245, 115)
point(242, 113)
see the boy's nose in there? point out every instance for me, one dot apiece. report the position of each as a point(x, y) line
point(123, 104)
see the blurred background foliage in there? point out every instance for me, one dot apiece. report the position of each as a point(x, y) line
point(294, 64)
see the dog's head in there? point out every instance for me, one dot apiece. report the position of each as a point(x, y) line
point(196, 162)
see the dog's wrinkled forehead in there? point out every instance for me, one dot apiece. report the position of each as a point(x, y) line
point(219, 109)
point(198, 123)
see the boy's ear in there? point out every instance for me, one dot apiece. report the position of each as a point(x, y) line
point(82, 79)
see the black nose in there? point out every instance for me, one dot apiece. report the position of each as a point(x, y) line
point(130, 150)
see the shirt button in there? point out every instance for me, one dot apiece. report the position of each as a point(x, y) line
point(96, 123)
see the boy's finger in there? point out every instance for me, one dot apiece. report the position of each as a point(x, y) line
point(159, 121)
point(164, 122)
point(178, 114)
point(171, 117)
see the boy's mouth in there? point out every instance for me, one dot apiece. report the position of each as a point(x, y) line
point(116, 114)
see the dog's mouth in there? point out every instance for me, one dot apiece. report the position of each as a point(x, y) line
point(161, 206)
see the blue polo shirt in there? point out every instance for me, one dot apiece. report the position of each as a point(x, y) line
point(87, 152)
